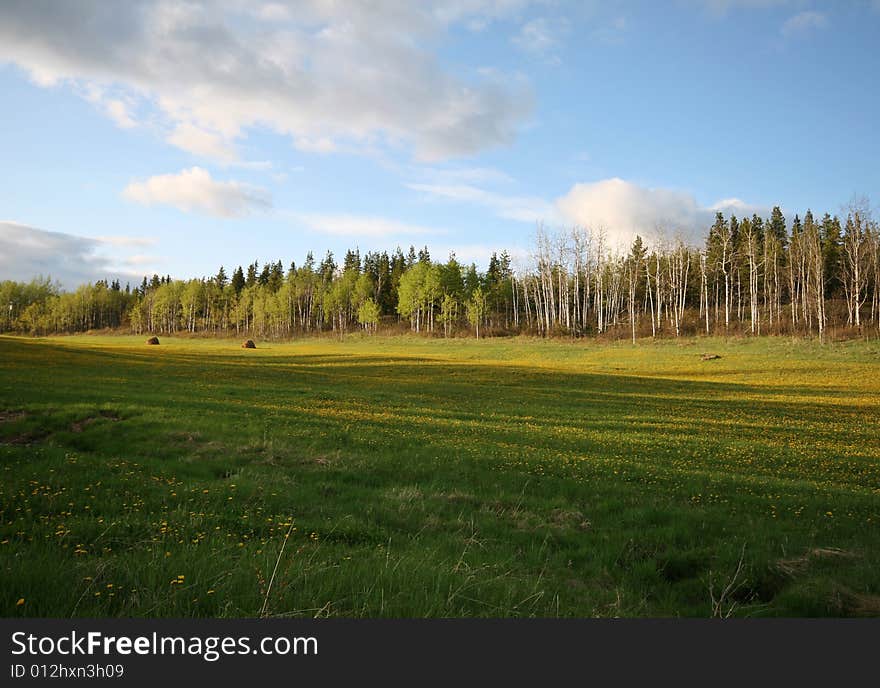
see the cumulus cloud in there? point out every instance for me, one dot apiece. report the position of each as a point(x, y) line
point(803, 23)
point(519, 208)
point(328, 74)
point(194, 190)
point(619, 208)
point(623, 210)
point(359, 225)
point(202, 143)
point(27, 252)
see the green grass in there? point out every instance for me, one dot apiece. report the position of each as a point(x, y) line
point(425, 477)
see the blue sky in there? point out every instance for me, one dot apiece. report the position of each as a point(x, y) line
point(171, 137)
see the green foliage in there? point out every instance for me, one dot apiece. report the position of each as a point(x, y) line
point(368, 314)
point(476, 309)
point(752, 276)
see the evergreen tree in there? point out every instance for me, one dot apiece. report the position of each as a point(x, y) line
point(251, 278)
point(832, 240)
point(776, 226)
point(265, 273)
point(238, 280)
point(276, 277)
point(352, 262)
point(327, 269)
point(221, 278)
point(472, 280)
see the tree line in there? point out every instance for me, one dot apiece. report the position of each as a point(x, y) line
point(751, 274)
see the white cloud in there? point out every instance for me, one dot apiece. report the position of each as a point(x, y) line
point(803, 23)
point(125, 241)
point(519, 208)
point(320, 144)
point(331, 75)
point(359, 225)
point(619, 208)
point(194, 190)
point(542, 38)
point(118, 111)
point(139, 260)
point(623, 210)
point(27, 252)
point(202, 143)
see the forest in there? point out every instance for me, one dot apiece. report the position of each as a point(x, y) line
point(751, 275)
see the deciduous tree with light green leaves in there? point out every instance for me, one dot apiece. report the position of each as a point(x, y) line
point(476, 309)
point(368, 315)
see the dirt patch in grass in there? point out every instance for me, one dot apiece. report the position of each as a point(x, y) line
point(9, 416)
point(799, 565)
point(186, 437)
point(80, 425)
point(569, 518)
point(25, 438)
point(856, 604)
point(325, 459)
point(766, 584)
point(844, 602)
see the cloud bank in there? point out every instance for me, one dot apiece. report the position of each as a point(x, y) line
point(194, 190)
point(27, 252)
point(619, 208)
point(326, 74)
point(623, 210)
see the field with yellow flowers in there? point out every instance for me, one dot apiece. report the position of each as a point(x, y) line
point(411, 477)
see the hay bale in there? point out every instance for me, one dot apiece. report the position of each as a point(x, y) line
point(153, 341)
point(709, 357)
point(249, 344)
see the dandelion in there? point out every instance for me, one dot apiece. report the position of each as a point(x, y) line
point(20, 602)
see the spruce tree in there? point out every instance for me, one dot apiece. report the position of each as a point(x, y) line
point(238, 280)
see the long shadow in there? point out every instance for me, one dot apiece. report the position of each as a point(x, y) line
point(468, 407)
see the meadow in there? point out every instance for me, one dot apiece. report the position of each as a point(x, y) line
point(410, 477)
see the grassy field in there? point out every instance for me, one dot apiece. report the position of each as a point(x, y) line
point(414, 477)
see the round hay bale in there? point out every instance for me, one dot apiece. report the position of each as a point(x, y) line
point(249, 344)
point(153, 341)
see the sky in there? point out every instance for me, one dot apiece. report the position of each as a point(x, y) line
point(172, 137)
